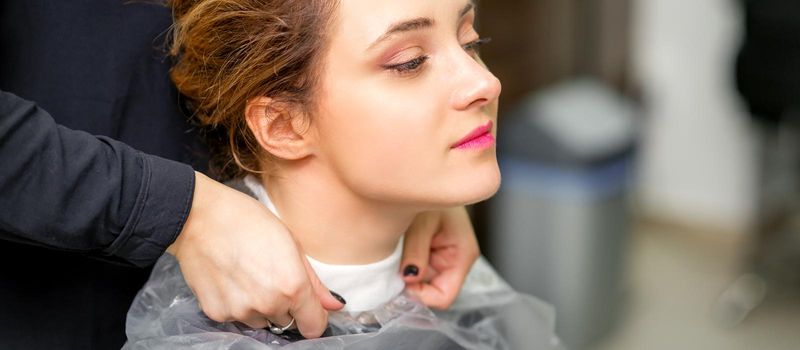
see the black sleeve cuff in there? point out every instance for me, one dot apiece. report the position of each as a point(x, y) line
point(162, 206)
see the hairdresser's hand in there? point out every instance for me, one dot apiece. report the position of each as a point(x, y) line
point(440, 248)
point(244, 265)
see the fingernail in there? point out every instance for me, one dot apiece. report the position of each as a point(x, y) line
point(338, 297)
point(411, 270)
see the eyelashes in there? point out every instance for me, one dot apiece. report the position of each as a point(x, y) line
point(409, 66)
point(415, 64)
point(475, 46)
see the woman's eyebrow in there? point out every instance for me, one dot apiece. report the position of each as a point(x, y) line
point(414, 24)
point(405, 26)
point(466, 9)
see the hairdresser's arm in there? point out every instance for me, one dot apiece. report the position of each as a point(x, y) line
point(439, 251)
point(68, 190)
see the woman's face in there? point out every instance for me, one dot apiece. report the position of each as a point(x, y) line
point(407, 110)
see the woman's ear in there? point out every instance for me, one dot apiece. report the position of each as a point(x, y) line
point(278, 128)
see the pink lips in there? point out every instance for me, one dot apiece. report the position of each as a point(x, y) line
point(480, 138)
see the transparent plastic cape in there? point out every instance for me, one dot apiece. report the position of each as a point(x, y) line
point(488, 314)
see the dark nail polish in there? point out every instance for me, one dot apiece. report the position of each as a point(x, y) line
point(338, 297)
point(411, 270)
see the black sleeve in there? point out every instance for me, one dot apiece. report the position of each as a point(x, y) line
point(69, 190)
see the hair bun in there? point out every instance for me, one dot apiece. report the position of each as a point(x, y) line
point(228, 51)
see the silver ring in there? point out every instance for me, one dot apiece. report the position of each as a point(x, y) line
point(278, 330)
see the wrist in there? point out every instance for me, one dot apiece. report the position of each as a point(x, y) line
point(203, 188)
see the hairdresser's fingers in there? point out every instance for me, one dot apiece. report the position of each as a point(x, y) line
point(280, 321)
point(210, 302)
point(431, 295)
point(292, 298)
point(454, 249)
point(417, 246)
point(277, 315)
point(311, 319)
point(268, 308)
point(442, 289)
point(255, 320)
point(329, 299)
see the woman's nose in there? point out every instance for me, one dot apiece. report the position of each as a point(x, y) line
point(476, 86)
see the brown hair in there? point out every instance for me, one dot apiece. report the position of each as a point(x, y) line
point(229, 51)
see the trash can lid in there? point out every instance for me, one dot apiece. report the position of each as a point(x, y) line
point(578, 122)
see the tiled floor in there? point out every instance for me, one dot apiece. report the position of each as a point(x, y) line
point(675, 279)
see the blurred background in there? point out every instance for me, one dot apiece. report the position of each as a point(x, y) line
point(650, 152)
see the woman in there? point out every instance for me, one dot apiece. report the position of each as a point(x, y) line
point(347, 119)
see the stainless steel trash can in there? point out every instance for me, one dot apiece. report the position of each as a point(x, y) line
point(559, 223)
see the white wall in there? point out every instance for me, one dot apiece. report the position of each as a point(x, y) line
point(696, 154)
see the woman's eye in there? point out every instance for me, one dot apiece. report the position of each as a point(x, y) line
point(408, 66)
point(475, 46)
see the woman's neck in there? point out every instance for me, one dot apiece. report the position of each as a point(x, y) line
point(333, 224)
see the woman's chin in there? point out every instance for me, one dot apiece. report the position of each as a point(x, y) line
point(487, 192)
point(478, 188)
